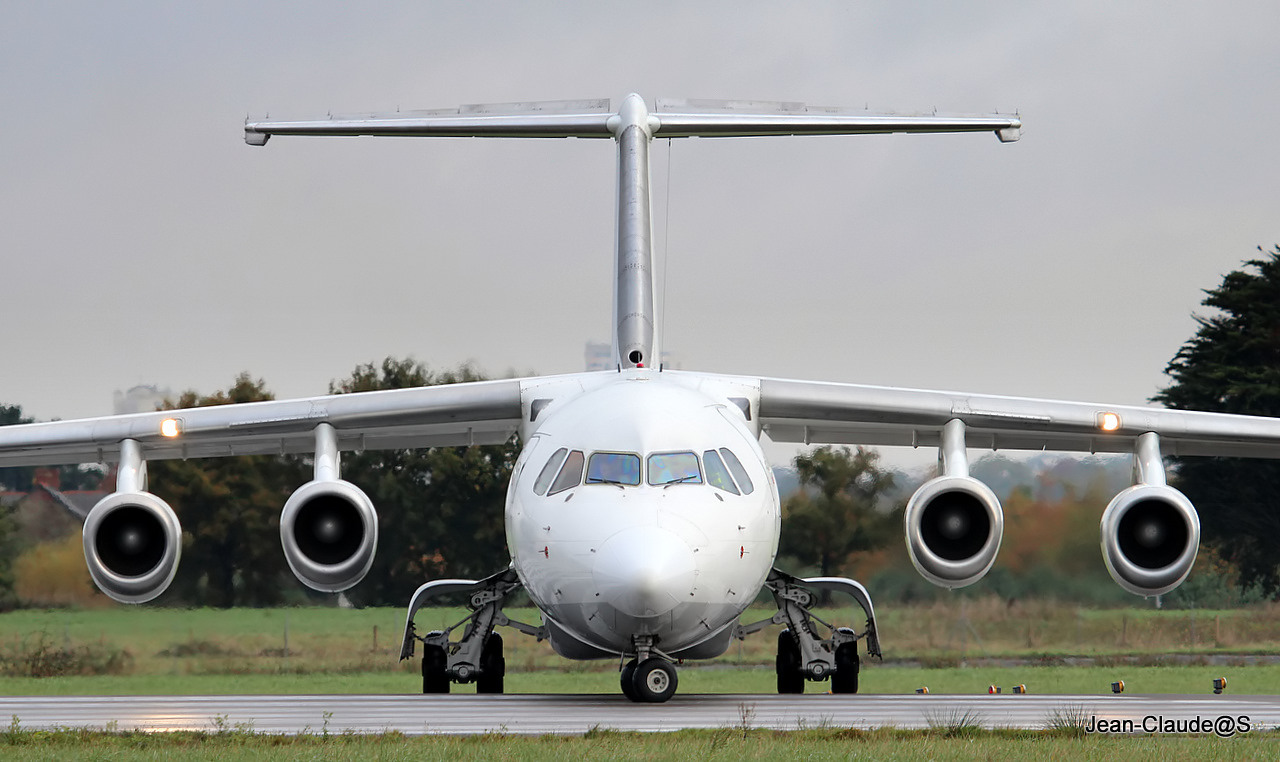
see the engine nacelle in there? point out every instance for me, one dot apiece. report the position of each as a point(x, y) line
point(954, 526)
point(329, 531)
point(1150, 535)
point(132, 541)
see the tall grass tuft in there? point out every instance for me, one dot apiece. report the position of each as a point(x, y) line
point(1068, 719)
point(955, 723)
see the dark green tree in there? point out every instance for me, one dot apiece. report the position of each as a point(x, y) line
point(837, 511)
point(15, 478)
point(230, 514)
point(440, 510)
point(10, 547)
point(1232, 365)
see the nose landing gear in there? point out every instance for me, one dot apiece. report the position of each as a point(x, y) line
point(654, 680)
point(648, 678)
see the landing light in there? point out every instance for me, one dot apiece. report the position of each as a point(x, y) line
point(1109, 421)
point(170, 427)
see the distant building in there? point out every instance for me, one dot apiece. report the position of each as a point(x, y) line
point(46, 513)
point(140, 399)
point(599, 356)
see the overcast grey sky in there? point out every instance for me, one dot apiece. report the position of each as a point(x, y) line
point(144, 242)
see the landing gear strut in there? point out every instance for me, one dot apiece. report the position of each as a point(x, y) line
point(477, 655)
point(803, 654)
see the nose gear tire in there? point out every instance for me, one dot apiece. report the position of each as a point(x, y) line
point(654, 680)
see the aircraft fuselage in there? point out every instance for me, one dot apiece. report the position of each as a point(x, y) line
point(642, 508)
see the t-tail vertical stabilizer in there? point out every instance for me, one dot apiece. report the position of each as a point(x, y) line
point(632, 126)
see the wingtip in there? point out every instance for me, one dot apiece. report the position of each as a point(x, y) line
point(1010, 134)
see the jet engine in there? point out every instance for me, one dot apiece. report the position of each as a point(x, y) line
point(329, 531)
point(954, 528)
point(1150, 534)
point(954, 523)
point(132, 541)
point(1150, 531)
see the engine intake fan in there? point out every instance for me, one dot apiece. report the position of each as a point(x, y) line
point(132, 541)
point(329, 532)
point(954, 527)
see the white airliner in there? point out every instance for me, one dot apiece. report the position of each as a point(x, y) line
point(642, 517)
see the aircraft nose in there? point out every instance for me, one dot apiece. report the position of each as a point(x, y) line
point(644, 572)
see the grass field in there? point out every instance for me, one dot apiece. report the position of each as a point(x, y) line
point(141, 650)
point(163, 640)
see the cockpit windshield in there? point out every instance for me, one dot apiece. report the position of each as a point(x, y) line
point(564, 470)
point(717, 475)
point(735, 468)
point(549, 471)
point(674, 468)
point(613, 468)
point(571, 475)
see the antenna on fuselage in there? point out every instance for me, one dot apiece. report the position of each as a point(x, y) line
point(632, 127)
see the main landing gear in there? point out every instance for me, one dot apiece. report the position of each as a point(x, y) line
point(477, 655)
point(803, 654)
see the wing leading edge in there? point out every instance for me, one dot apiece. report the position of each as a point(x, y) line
point(830, 413)
point(483, 412)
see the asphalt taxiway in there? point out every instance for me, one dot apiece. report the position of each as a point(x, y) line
point(575, 714)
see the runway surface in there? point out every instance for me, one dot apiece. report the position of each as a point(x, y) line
point(570, 714)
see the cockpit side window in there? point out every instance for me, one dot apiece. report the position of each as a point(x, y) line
point(549, 471)
point(613, 468)
point(739, 473)
point(571, 475)
point(717, 475)
point(674, 468)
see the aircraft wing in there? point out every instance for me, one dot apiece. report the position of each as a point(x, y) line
point(483, 412)
point(829, 413)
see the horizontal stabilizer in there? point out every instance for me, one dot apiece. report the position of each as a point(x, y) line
point(597, 119)
point(702, 118)
point(549, 119)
